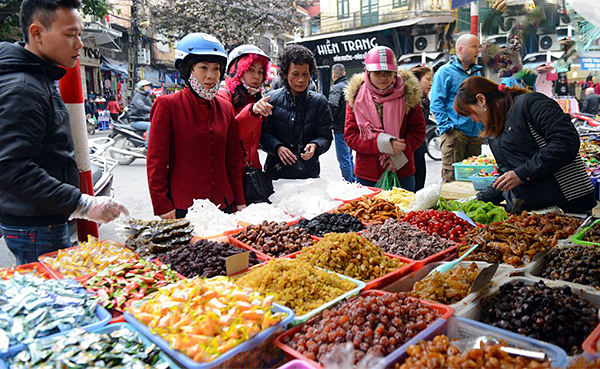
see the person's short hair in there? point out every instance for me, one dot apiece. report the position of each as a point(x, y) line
point(187, 64)
point(420, 71)
point(296, 54)
point(42, 10)
point(338, 69)
point(589, 90)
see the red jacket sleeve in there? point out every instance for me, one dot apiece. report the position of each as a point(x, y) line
point(158, 158)
point(416, 129)
point(235, 162)
point(352, 135)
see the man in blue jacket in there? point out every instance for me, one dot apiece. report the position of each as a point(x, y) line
point(460, 135)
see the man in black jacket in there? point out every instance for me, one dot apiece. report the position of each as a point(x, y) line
point(38, 173)
point(591, 103)
point(337, 104)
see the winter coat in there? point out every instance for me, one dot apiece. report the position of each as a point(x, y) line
point(39, 181)
point(305, 116)
point(250, 127)
point(541, 145)
point(337, 104)
point(591, 104)
point(194, 152)
point(139, 109)
point(413, 130)
point(446, 82)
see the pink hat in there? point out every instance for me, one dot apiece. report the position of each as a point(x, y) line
point(381, 58)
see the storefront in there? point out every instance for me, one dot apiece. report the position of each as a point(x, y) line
point(114, 79)
point(90, 71)
point(349, 47)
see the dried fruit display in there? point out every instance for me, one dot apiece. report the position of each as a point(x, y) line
point(592, 234)
point(295, 284)
point(577, 264)
point(406, 240)
point(443, 223)
point(371, 210)
point(275, 239)
point(351, 255)
point(374, 324)
point(582, 362)
point(204, 258)
point(440, 353)
point(331, 223)
point(551, 314)
point(449, 287)
point(150, 238)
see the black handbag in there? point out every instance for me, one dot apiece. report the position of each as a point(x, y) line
point(258, 185)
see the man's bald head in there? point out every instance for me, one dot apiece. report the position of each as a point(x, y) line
point(467, 48)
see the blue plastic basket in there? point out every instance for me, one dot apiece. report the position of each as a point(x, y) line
point(481, 183)
point(103, 318)
point(108, 329)
point(187, 362)
point(464, 172)
point(463, 328)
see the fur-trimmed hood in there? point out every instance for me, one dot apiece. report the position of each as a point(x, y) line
point(412, 88)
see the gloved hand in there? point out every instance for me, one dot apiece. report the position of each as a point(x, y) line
point(101, 209)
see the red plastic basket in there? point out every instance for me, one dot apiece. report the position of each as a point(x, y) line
point(27, 268)
point(590, 345)
point(56, 273)
point(445, 313)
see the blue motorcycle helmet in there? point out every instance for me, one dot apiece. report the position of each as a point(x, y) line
point(199, 47)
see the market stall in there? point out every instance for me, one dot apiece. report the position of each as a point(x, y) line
point(356, 276)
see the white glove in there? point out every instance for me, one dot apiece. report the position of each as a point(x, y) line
point(101, 209)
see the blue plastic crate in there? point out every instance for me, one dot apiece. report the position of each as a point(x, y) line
point(481, 183)
point(464, 172)
point(187, 362)
point(111, 328)
point(103, 318)
point(463, 328)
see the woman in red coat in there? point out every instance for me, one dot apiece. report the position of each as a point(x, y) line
point(247, 70)
point(384, 120)
point(194, 150)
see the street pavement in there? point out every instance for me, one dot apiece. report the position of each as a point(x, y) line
point(131, 189)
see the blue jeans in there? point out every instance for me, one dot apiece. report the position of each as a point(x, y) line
point(27, 242)
point(344, 157)
point(408, 183)
point(142, 126)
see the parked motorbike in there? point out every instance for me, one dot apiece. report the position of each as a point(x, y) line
point(129, 143)
point(585, 123)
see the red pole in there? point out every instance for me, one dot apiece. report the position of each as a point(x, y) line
point(475, 17)
point(72, 94)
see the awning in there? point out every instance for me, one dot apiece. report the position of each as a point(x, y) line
point(404, 23)
point(159, 77)
point(98, 34)
point(112, 65)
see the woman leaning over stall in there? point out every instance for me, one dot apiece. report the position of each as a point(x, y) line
point(299, 129)
point(384, 121)
point(534, 143)
point(247, 70)
point(194, 150)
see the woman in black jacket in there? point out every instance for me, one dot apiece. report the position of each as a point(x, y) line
point(534, 143)
point(299, 129)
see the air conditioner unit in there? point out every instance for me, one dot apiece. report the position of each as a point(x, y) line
point(144, 56)
point(426, 43)
point(548, 42)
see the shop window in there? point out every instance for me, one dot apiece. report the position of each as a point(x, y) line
point(400, 3)
point(343, 9)
point(464, 18)
point(369, 12)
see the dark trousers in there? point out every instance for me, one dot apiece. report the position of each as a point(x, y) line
point(420, 166)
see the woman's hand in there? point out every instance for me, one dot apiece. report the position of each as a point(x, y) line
point(309, 151)
point(286, 156)
point(240, 207)
point(398, 145)
point(507, 181)
point(262, 107)
point(389, 165)
point(169, 215)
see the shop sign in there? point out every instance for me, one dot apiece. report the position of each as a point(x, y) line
point(589, 63)
point(347, 50)
point(91, 53)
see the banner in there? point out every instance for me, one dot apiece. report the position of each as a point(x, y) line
point(590, 63)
